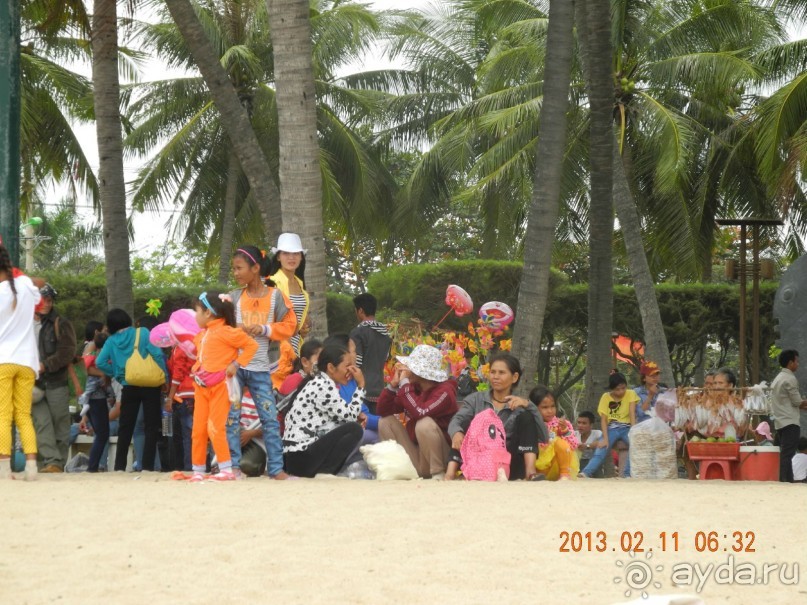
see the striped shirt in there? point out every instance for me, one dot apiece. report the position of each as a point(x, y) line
point(298, 302)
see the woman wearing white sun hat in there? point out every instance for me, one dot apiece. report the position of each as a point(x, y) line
point(422, 390)
point(287, 271)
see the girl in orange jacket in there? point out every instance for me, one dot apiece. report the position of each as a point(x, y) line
point(221, 350)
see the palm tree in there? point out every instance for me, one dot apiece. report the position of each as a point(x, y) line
point(299, 170)
point(235, 117)
point(594, 26)
point(543, 214)
point(111, 185)
point(53, 98)
point(195, 169)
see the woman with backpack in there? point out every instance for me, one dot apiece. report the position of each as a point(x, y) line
point(118, 360)
point(523, 426)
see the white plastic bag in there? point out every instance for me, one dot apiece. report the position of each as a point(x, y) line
point(234, 389)
point(652, 450)
point(389, 461)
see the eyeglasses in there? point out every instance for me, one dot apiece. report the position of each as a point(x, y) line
point(613, 406)
point(206, 303)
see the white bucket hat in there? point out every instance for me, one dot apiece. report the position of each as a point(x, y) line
point(426, 362)
point(289, 242)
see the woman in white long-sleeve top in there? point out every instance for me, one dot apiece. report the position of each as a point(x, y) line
point(321, 431)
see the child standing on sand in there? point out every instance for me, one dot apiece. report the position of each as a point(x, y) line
point(221, 350)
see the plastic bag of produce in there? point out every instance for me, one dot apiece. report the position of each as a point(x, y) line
point(652, 450)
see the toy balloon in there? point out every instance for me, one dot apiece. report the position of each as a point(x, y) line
point(161, 336)
point(459, 300)
point(496, 315)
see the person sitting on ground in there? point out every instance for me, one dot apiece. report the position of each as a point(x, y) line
point(346, 390)
point(523, 425)
point(253, 449)
point(556, 455)
point(421, 389)
point(649, 390)
point(303, 366)
point(321, 431)
point(372, 342)
point(591, 447)
point(800, 461)
point(617, 410)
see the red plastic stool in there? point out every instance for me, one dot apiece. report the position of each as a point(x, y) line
point(717, 469)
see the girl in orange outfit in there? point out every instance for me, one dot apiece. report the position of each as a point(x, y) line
point(221, 350)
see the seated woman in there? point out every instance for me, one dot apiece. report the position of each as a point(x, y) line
point(556, 459)
point(321, 430)
point(523, 426)
point(420, 389)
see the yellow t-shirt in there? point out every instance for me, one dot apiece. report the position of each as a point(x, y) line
point(617, 411)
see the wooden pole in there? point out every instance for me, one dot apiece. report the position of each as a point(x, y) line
point(743, 264)
point(755, 318)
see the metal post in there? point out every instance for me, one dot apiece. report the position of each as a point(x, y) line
point(10, 126)
point(755, 317)
point(743, 264)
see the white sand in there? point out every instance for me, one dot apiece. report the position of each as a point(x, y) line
point(144, 539)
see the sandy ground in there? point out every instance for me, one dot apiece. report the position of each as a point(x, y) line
point(127, 538)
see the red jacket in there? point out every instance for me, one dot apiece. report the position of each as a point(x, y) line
point(179, 367)
point(439, 403)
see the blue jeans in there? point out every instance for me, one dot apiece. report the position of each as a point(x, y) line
point(595, 462)
point(99, 419)
point(260, 388)
point(183, 415)
point(139, 440)
point(619, 433)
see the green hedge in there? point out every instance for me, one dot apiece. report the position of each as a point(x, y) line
point(419, 291)
point(82, 299)
point(692, 314)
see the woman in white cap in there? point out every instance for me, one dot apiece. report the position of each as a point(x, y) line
point(287, 271)
point(420, 389)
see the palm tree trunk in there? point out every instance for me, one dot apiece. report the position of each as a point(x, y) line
point(234, 116)
point(300, 176)
point(654, 336)
point(597, 29)
point(111, 185)
point(533, 292)
point(228, 220)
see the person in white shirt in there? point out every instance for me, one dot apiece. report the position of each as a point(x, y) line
point(19, 363)
point(786, 405)
point(591, 448)
point(800, 462)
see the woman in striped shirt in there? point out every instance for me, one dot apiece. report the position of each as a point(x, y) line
point(287, 271)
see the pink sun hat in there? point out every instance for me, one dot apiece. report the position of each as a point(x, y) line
point(764, 429)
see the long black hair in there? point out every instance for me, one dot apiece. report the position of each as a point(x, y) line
point(8, 268)
point(222, 309)
point(307, 351)
point(253, 255)
point(275, 266)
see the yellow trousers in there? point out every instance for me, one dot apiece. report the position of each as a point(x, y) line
point(16, 387)
point(556, 459)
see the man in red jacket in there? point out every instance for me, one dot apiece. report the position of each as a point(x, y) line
point(422, 391)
